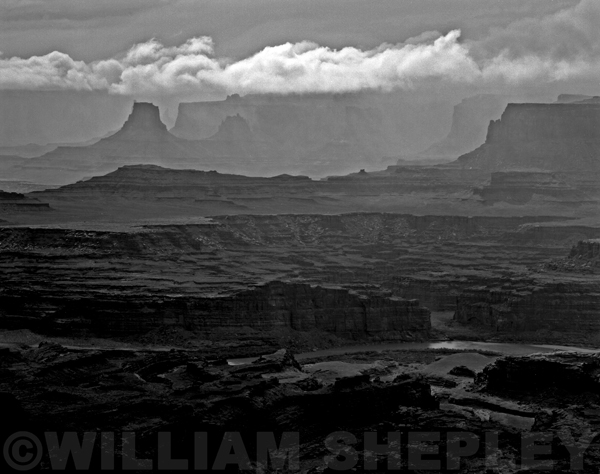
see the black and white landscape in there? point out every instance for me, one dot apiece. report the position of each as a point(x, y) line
point(300, 236)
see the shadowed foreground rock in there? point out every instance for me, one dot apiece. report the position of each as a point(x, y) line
point(57, 389)
point(571, 372)
point(182, 393)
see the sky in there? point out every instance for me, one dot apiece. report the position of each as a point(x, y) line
point(186, 49)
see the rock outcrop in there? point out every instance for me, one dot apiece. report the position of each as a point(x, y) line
point(295, 121)
point(549, 137)
point(142, 139)
point(571, 372)
point(280, 143)
point(586, 250)
point(469, 127)
point(583, 258)
point(317, 135)
point(53, 388)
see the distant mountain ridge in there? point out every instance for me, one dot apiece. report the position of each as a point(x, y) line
point(308, 135)
point(234, 147)
point(142, 139)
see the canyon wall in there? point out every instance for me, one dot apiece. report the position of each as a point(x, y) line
point(390, 124)
point(571, 306)
point(469, 126)
point(552, 137)
point(560, 295)
point(107, 311)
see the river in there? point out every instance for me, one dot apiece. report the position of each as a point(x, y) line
point(501, 347)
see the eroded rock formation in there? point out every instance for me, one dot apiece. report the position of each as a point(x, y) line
point(469, 126)
point(142, 139)
point(273, 306)
point(550, 137)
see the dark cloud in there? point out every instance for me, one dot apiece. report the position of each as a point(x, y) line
point(95, 29)
point(73, 10)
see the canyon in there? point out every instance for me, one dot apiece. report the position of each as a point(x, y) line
point(131, 278)
point(131, 286)
point(437, 233)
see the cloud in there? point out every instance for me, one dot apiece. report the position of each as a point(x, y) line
point(560, 47)
point(565, 35)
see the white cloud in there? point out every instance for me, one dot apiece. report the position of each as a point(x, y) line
point(560, 47)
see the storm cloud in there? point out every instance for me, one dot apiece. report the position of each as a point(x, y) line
point(560, 47)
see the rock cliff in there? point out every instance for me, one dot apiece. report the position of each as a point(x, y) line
point(294, 121)
point(142, 139)
point(568, 306)
point(587, 250)
point(552, 137)
point(233, 147)
point(319, 134)
point(583, 258)
point(108, 311)
point(154, 266)
point(469, 126)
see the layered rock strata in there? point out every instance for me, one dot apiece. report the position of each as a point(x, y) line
point(157, 268)
point(17, 202)
point(520, 187)
point(270, 307)
point(570, 306)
